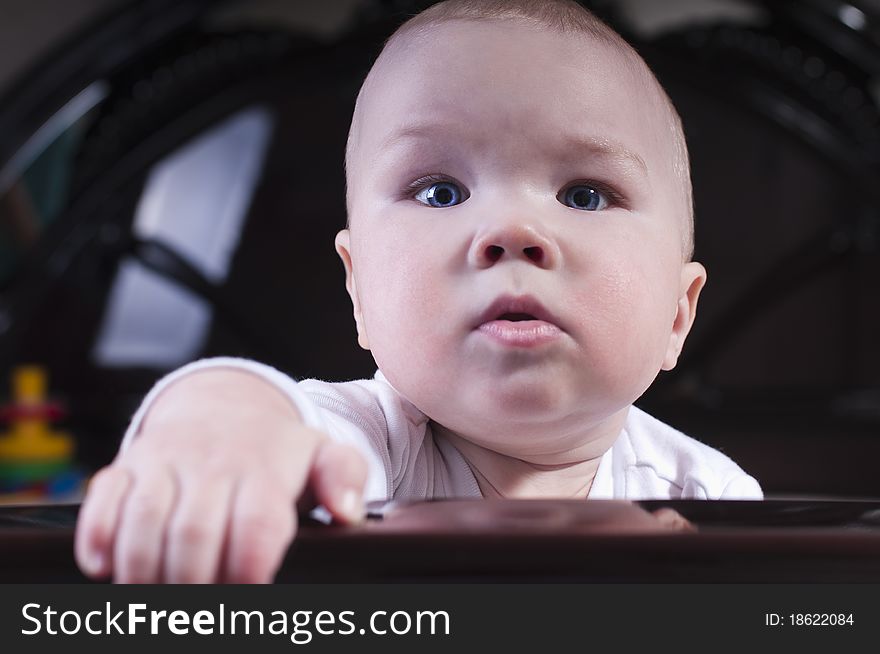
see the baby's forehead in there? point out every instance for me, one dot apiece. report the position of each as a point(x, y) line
point(505, 63)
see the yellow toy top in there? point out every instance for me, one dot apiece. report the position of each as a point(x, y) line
point(30, 437)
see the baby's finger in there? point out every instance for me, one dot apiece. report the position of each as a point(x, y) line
point(338, 477)
point(98, 520)
point(262, 526)
point(137, 556)
point(197, 530)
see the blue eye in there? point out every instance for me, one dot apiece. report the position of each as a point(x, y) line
point(441, 194)
point(584, 197)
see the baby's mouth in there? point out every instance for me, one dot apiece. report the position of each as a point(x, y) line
point(518, 322)
point(516, 309)
point(516, 317)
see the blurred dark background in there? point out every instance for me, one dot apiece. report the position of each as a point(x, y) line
point(171, 181)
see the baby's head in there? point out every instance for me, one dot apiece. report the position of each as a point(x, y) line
point(520, 222)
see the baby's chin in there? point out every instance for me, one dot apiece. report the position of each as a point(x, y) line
point(525, 401)
point(522, 397)
point(513, 405)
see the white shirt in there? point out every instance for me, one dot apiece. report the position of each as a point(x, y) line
point(649, 460)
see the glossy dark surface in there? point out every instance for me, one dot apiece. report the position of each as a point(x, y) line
point(526, 540)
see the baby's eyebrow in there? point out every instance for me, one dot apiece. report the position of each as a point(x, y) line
point(603, 148)
point(414, 131)
point(570, 146)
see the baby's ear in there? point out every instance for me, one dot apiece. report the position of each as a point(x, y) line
point(693, 278)
point(343, 249)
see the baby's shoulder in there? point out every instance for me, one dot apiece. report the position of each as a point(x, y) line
point(366, 402)
point(694, 469)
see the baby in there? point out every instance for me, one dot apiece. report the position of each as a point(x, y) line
point(518, 256)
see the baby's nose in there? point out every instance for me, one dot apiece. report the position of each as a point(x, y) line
point(514, 242)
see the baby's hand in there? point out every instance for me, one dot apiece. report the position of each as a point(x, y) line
point(208, 489)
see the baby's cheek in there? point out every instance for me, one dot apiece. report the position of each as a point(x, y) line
point(625, 322)
point(407, 313)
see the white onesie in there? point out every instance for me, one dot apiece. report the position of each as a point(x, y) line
point(649, 460)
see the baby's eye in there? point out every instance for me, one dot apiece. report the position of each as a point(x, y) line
point(584, 197)
point(441, 194)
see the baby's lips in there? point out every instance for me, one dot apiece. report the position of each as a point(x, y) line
point(517, 304)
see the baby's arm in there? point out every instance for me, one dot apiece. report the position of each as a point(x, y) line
point(207, 491)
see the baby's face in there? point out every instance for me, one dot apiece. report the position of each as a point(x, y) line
point(515, 251)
